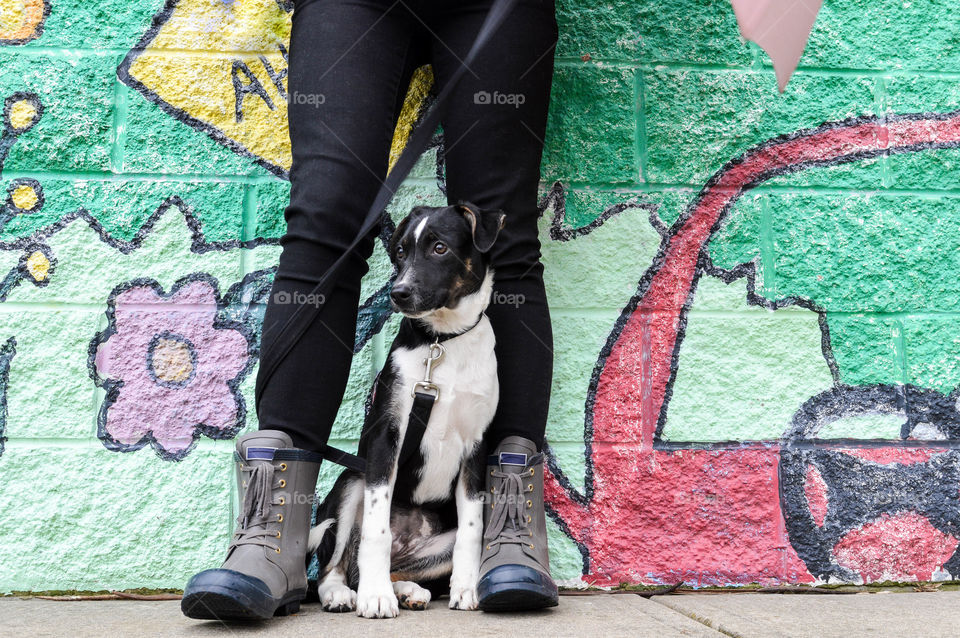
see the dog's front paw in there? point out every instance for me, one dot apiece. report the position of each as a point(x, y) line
point(377, 602)
point(337, 598)
point(411, 595)
point(463, 597)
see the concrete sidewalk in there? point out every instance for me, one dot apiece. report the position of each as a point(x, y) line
point(935, 614)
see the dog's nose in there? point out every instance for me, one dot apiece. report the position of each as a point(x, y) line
point(401, 293)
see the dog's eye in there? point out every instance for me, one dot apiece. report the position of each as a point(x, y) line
point(400, 253)
point(439, 248)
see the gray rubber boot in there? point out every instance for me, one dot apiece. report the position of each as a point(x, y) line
point(265, 571)
point(515, 564)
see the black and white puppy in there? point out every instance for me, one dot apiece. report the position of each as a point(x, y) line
point(383, 532)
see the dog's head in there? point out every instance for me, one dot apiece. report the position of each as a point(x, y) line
point(441, 258)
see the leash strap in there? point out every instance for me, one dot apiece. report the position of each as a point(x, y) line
point(300, 321)
point(416, 426)
point(294, 328)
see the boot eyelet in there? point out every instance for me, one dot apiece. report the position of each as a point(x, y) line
point(284, 483)
point(278, 549)
point(529, 503)
point(530, 487)
point(529, 518)
point(532, 472)
point(244, 483)
point(493, 490)
point(278, 533)
point(531, 546)
point(279, 518)
point(283, 467)
point(488, 548)
point(491, 472)
point(283, 501)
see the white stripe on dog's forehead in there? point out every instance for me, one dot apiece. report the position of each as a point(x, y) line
point(419, 229)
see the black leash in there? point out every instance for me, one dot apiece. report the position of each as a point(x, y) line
point(425, 394)
point(300, 321)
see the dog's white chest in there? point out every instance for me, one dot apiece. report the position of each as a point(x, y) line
point(467, 378)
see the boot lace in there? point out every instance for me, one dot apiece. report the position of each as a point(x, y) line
point(509, 522)
point(255, 511)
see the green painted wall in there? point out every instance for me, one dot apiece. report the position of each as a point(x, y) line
point(113, 183)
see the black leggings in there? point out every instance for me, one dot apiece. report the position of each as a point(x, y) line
point(349, 68)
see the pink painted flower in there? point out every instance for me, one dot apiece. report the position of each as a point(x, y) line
point(170, 367)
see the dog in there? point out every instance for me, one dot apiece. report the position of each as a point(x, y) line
point(385, 533)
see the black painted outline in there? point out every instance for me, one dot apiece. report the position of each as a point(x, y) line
point(123, 73)
point(113, 387)
point(169, 335)
point(860, 491)
point(37, 32)
point(7, 351)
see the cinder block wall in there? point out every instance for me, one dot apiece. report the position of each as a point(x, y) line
point(755, 312)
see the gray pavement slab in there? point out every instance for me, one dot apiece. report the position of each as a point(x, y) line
point(577, 616)
point(927, 615)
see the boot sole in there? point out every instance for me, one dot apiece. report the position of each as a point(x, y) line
point(223, 594)
point(516, 588)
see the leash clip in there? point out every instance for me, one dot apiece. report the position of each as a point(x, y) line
point(436, 354)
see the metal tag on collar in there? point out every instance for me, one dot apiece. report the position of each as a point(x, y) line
point(427, 385)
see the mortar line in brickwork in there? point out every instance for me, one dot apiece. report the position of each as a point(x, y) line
point(881, 99)
point(900, 351)
point(248, 222)
point(608, 314)
point(640, 143)
point(660, 187)
point(767, 255)
point(145, 177)
point(765, 68)
point(118, 130)
point(72, 52)
point(53, 441)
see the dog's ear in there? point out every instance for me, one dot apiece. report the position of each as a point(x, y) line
point(485, 225)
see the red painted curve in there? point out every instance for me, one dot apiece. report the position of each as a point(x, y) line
point(632, 387)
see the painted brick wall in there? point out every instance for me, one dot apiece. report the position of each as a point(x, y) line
point(754, 295)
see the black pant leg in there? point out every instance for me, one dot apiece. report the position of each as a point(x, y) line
point(349, 68)
point(493, 128)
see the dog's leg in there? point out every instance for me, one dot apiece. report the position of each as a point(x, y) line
point(411, 595)
point(351, 499)
point(375, 597)
point(334, 594)
point(466, 549)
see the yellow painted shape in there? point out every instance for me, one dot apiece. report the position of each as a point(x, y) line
point(23, 113)
point(38, 265)
point(20, 19)
point(416, 95)
point(189, 65)
point(172, 361)
point(25, 197)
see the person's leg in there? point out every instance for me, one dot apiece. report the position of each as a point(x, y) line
point(350, 64)
point(349, 68)
point(493, 132)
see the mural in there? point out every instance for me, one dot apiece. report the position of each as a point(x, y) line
point(825, 493)
point(22, 20)
point(756, 372)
